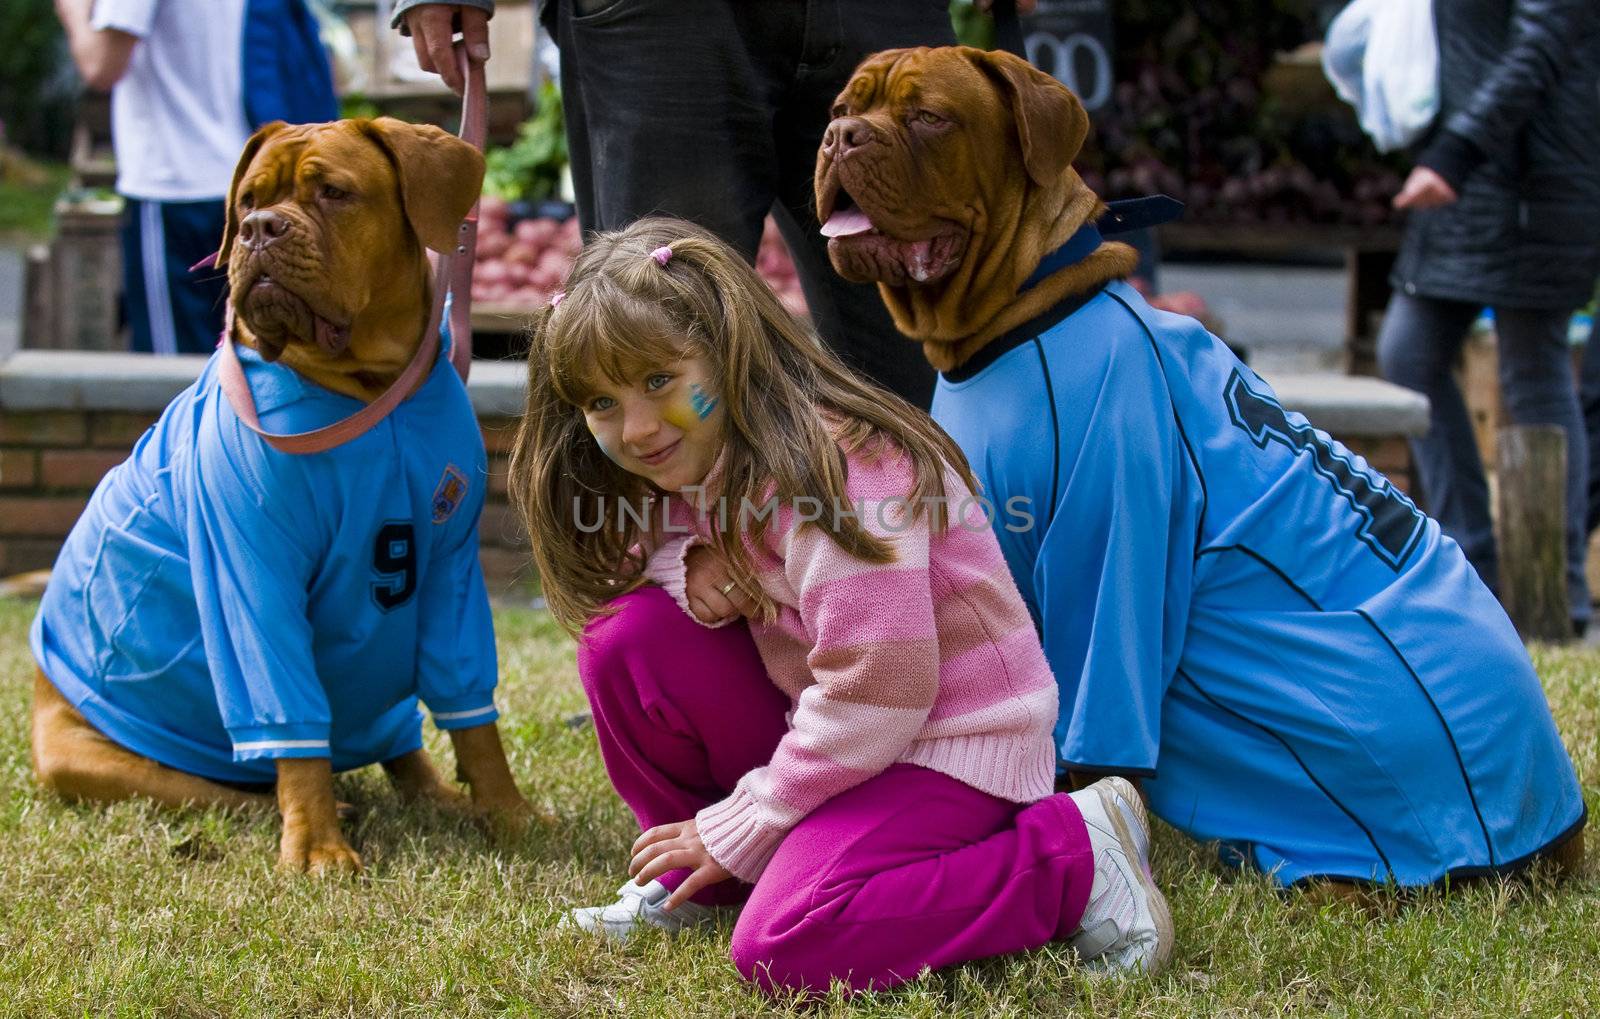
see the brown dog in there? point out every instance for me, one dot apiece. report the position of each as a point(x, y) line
point(326, 230)
point(946, 178)
point(984, 142)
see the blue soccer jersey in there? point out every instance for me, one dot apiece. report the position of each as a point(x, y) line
point(1239, 608)
point(221, 604)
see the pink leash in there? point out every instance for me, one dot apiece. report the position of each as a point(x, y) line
point(452, 274)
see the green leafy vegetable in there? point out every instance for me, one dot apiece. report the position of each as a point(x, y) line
point(530, 168)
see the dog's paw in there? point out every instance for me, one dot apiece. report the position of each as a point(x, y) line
point(509, 819)
point(328, 857)
point(442, 795)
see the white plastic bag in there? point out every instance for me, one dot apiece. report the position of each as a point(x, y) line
point(1382, 57)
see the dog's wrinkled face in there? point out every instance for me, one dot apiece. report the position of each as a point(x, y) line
point(902, 133)
point(944, 177)
point(324, 218)
point(311, 206)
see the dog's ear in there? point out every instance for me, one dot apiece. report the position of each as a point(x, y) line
point(440, 175)
point(230, 227)
point(1051, 123)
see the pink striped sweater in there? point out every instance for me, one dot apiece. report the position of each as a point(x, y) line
point(931, 660)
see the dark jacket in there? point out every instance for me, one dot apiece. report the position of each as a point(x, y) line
point(1518, 135)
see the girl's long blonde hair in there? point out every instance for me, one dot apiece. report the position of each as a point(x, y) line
point(624, 313)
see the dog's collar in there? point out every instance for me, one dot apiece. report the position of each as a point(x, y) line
point(1122, 216)
point(1078, 247)
point(1127, 214)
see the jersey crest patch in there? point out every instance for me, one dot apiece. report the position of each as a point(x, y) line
point(1390, 524)
point(447, 496)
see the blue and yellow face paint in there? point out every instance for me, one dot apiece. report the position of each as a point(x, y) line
point(703, 405)
point(685, 413)
point(598, 441)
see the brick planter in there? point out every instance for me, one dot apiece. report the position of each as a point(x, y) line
point(68, 417)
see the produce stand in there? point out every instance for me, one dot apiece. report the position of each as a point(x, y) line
point(499, 330)
point(1223, 105)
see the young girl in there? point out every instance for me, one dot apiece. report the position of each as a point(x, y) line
point(871, 751)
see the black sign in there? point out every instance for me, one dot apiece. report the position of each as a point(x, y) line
point(1070, 40)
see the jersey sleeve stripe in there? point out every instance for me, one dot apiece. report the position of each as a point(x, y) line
point(282, 744)
point(450, 716)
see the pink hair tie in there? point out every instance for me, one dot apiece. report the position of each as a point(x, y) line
point(662, 255)
point(555, 298)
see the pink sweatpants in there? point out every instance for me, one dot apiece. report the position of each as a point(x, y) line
point(909, 869)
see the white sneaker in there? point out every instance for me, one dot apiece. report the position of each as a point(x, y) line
point(642, 906)
point(1127, 925)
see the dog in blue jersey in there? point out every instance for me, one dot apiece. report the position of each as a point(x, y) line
point(1238, 610)
point(224, 617)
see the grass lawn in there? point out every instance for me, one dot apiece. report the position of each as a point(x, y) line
point(133, 911)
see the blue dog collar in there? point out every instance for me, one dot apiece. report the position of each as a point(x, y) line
point(1122, 216)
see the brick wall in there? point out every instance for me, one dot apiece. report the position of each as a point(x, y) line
point(51, 459)
point(67, 418)
point(49, 463)
point(502, 543)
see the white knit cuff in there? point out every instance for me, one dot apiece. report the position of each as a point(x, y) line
point(736, 837)
point(668, 567)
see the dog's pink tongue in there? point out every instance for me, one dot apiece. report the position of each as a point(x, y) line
point(846, 223)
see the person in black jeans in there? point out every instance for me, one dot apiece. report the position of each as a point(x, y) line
point(1503, 201)
point(712, 110)
point(1589, 398)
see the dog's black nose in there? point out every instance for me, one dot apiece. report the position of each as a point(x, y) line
point(261, 228)
point(846, 134)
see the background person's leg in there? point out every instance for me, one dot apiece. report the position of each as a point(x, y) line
point(557, 17)
point(681, 712)
point(675, 106)
point(193, 231)
point(1589, 398)
point(911, 869)
point(850, 317)
point(1537, 384)
point(1417, 348)
point(135, 297)
point(170, 310)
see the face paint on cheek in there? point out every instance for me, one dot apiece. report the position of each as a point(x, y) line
point(602, 444)
point(679, 417)
point(703, 405)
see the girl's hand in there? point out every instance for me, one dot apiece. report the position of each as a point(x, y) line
point(675, 847)
point(709, 587)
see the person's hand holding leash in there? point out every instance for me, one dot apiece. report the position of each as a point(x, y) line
point(674, 847)
point(433, 28)
point(712, 593)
